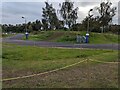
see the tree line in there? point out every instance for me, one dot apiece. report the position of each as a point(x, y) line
point(69, 15)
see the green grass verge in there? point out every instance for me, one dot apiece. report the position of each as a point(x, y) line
point(42, 59)
point(39, 36)
point(70, 37)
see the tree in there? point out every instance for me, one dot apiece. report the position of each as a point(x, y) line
point(61, 24)
point(37, 25)
point(20, 28)
point(5, 28)
point(106, 14)
point(94, 25)
point(45, 24)
point(30, 28)
point(50, 19)
point(68, 13)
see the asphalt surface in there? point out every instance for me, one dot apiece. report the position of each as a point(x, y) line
point(17, 40)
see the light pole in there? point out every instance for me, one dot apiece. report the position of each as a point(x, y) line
point(25, 23)
point(88, 20)
point(87, 34)
point(26, 34)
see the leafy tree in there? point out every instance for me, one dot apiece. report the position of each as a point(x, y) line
point(94, 25)
point(98, 23)
point(61, 24)
point(50, 19)
point(45, 24)
point(115, 29)
point(5, 28)
point(30, 28)
point(20, 28)
point(77, 27)
point(106, 14)
point(33, 26)
point(68, 13)
point(37, 25)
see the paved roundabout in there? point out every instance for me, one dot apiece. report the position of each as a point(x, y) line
point(17, 40)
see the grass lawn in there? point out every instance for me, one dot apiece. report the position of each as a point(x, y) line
point(26, 60)
point(70, 37)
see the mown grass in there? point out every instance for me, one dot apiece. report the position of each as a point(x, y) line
point(103, 38)
point(39, 36)
point(26, 60)
point(70, 37)
point(16, 55)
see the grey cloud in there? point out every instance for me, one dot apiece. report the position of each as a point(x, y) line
point(13, 11)
point(119, 13)
point(84, 4)
point(22, 8)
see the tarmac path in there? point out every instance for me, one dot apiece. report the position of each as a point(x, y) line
point(17, 40)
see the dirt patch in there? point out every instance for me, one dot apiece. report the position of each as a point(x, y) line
point(87, 76)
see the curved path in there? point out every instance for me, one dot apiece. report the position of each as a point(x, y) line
point(16, 40)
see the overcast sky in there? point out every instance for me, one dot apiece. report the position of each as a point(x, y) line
point(13, 10)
